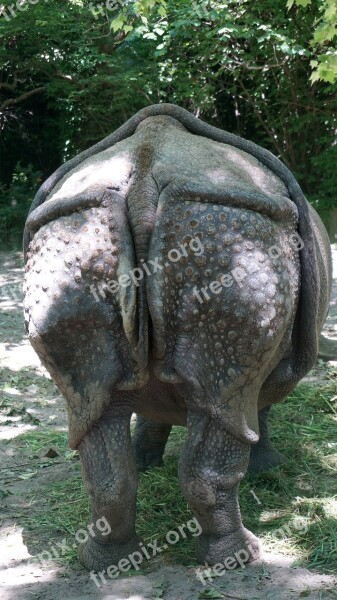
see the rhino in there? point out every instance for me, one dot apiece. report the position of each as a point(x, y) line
point(175, 271)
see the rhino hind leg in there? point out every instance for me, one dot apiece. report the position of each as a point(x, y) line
point(327, 349)
point(110, 476)
point(264, 455)
point(149, 442)
point(209, 480)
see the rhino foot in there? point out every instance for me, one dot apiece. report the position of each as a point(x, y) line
point(149, 442)
point(236, 549)
point(264, 458)
point(99, 557)
point(148, 460)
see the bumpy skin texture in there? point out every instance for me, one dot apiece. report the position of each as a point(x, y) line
point(161, 181)
point(150, 438)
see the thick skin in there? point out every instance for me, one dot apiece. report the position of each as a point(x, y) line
point(150, 439)
point(222, 319)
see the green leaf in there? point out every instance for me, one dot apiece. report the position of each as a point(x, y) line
point(305, 593)
point(211, 592)
point(118, 23)
point(330, 11)
point(159, 588)
point(162, 11)
point(27, 475)
point(326, 69)
point(325, 32)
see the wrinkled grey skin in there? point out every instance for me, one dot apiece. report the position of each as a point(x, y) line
point(163, 179)
point(150, 437)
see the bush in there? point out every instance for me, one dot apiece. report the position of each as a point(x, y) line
point(15, 201)
point(324, 164)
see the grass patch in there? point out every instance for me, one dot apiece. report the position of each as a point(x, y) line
point(299, 499)
point(294, 510)
point(20, 380)
point(35, 441)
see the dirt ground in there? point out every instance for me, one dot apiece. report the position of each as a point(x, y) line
point(38, 404)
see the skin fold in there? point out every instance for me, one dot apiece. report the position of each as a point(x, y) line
point(176, 271)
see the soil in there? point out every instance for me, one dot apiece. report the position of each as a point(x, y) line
point(36, 404)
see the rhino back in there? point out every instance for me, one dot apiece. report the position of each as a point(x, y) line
point(133, 203)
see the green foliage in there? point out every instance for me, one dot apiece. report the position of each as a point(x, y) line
point(245, 68)
point(324, 40)
point(15, 201)
point(142, 9)
point(325, 164)
point(72, 72)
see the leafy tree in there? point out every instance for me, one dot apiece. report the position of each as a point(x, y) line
point(323, 42)
point(15, 200)
point(245, 66)
point(71, 72)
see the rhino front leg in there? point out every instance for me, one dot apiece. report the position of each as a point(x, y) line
point(110, 475)
point(212, 464)
point(149, 442)
point(263, 455)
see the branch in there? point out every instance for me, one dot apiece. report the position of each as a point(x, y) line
point(10, 86)
point(235, 60)
point(264, 67)
point(7, 86)
point(22, 98)
point(247, 96)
